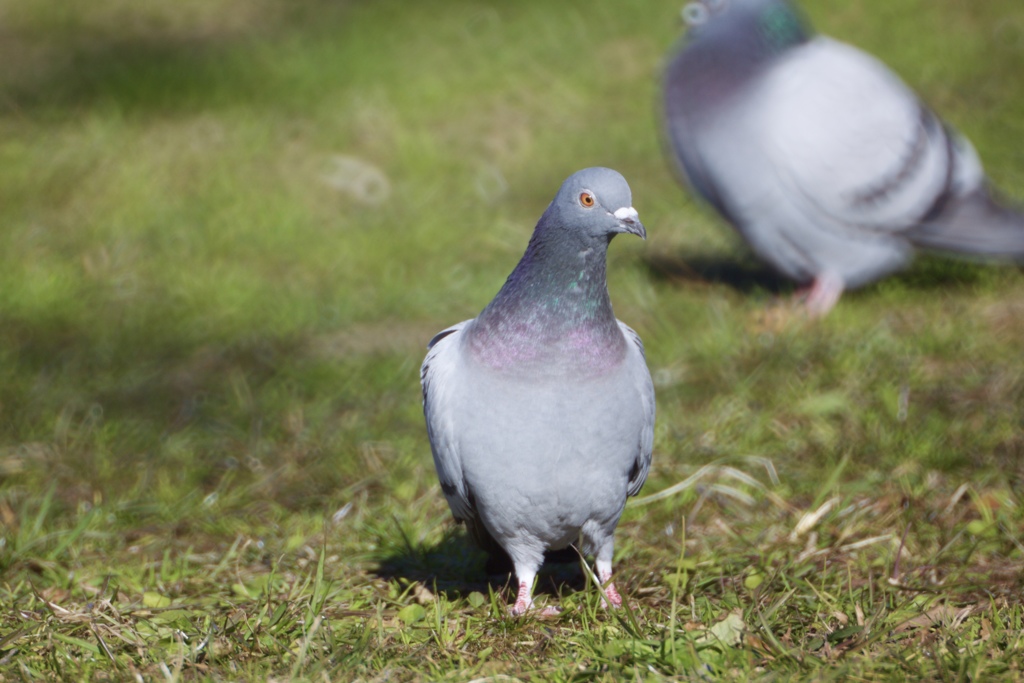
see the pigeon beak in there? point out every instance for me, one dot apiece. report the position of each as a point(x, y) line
point(629, 221)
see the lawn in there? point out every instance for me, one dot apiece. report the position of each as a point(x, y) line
point(229, 228)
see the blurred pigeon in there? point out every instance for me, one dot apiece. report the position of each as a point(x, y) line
point(540, 411)
point(824, 161)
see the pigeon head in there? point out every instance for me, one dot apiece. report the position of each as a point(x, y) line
point(553, 314)
point(750, 29)
point(729, 44)
point(593, 205)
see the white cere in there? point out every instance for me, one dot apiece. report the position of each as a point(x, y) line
point(626, 212)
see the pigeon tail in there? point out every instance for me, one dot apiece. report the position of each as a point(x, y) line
point(974, 224)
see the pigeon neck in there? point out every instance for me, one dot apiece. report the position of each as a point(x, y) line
point(723, 60)
point(554, 309)
point(564, 281)
point(780, 28)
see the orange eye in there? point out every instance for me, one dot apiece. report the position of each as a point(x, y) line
point(586, 199)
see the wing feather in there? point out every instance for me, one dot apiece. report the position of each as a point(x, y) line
point(852, 139)
point(645, 389)
point(436, 377)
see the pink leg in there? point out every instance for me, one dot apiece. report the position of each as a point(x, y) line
point(824, 294)
point(524, 600)
point(604, 574)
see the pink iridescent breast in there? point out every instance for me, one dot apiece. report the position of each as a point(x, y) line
point(529, 346)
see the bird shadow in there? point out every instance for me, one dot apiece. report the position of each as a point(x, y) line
point(454, 567)
point(931, 271)
point(746, 275)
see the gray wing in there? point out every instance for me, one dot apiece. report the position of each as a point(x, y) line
point(439, 393)
point(853, 144)
point(645, 389)
point(863, 156)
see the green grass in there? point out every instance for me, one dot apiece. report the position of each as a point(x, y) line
point(213, 463)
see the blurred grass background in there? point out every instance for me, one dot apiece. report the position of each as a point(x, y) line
point(229, 228)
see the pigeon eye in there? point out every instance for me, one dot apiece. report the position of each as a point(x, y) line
point(695, 14)
point(586, 199)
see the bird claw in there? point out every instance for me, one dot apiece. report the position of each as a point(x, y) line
point(610, 598)
point(521, 608)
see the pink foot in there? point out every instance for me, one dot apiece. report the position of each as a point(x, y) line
point(523, 601)
point(524, 604)
point(613, 596)
point(610, 593)
point(823, 294)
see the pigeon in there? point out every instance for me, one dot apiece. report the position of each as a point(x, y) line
point(826, 163)
point(540, 411)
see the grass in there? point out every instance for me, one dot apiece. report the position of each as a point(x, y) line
point(230, 228)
